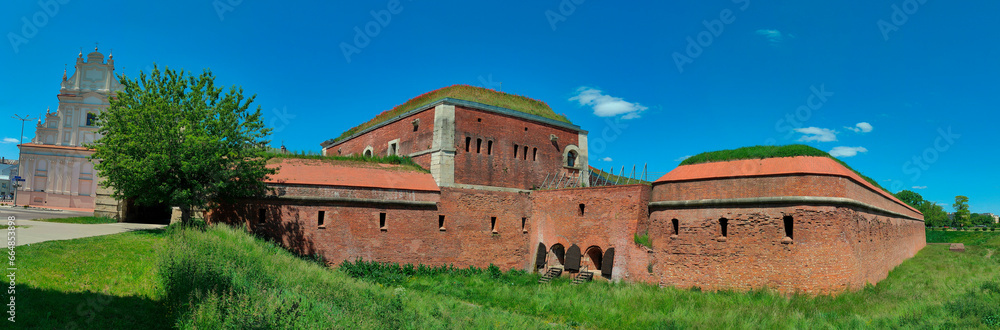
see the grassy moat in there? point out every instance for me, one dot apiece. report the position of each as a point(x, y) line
point(222, 277)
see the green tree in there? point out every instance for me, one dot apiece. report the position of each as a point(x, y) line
point(911, 198)
point(962, 210)
point(175, 138)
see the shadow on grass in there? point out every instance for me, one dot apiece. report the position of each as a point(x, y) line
point(49, 309)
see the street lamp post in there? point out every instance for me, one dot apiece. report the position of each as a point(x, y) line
point(20, 140)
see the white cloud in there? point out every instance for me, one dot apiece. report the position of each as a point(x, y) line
point(607, 159)
point(607, 105)
point(919, 187)
point(847, 151)
point(681, 159)
point(817, 134)
point(774, 36)
point(861, 127)
point(9, 140)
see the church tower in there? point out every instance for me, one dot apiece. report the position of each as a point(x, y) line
point(54, 165)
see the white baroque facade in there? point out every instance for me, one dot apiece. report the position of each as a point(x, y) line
point(55, 166)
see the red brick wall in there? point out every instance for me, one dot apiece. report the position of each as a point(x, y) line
point(785, 185)
point(412, 234)
point(610, 219)
point(409, 141)
point(501, 169)
point(833, 249)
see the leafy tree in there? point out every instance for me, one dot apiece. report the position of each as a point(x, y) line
point(911, 198)
point(175, 138)
point(962, 210)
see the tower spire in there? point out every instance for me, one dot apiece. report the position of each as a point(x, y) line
point(95, 46)
point(64, 72)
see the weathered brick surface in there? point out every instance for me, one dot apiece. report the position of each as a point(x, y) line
point(500, 168)
point(609, 220)
point(409, 141)
point(783, 185)
point(354, 192)
point(412, 234)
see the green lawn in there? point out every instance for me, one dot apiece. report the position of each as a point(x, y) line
point(225, 278)
point(81, 220)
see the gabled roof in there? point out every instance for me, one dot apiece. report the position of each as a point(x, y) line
point(350, 174)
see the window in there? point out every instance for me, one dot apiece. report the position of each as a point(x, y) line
point(479, 120)
point(515, 150)
point(524, 222)
point(381, 221)
point(571, 159)
point(468, 140)
point(392, 149)
point(320, 219)
point(441, 222)
point(525, 152)
point(91, 119)
point(479, 145)
point(489, 147)
point(534, 154)
point(261, 215)
point(677, 226)
point(493, 224)
point(582, 207)
point(368, 153)
point(724, 226)
point(789, 222)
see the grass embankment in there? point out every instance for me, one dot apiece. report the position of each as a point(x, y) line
point(467, 93)
point(762, 152)
point(405, 161)
point(225, 278)
point(608, 178)
point(80, 220)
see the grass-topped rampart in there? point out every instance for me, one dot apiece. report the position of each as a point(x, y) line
point(763, 152)
point(467, 93)
point(404, 161)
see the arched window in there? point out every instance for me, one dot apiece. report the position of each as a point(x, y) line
point(571, 159)
point(724, 226)
point(677, 226)
point(368, 153)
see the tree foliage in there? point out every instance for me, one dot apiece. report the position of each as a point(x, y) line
point(962, 214)
point(175, 138)
point(934, 214)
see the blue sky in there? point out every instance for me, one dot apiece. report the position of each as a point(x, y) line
point(907, 96)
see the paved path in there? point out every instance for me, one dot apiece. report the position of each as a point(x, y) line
point(41, 231)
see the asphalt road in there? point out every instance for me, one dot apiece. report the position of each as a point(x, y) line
point(30, 232)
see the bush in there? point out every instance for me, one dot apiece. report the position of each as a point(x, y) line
point(393, 274)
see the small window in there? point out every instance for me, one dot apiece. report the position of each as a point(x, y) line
point(479, 145)
point(525, 152)
point(677, 226)
point(261, 215)
point(789, 222)
point(321, 218)
point(525, 129)
point(493, 224)
point(441, 222)
point(582, 208)
point(468, 141)
point(724, 226)
point(479, 120)
point(91, 119)
point(516, 147)
point(368, 153)
point(524, 222)
point(534, 154)
point(571, 159)
point(489, 147)
point(381, 221)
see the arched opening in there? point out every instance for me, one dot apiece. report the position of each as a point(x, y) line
point(368, 153)
point(540, 256)
point(571, 159)
point(677, 226)
point(594, 256)
point(608, 263)
point(724, 226)
point(559, 252)
point(479, 145)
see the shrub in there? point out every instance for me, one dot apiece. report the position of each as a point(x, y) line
point(643, 240)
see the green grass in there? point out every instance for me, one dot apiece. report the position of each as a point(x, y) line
point(763, 152)
point(406, 162)
point(80, 220)
point(223, 277)
point(643, 240)
point(467, 93)
point(611, 178)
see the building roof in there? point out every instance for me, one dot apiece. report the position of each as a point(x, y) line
point(350, 174)
point(771, 167)
point(514, 103)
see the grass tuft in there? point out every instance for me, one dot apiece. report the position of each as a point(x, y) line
point(80, 220)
